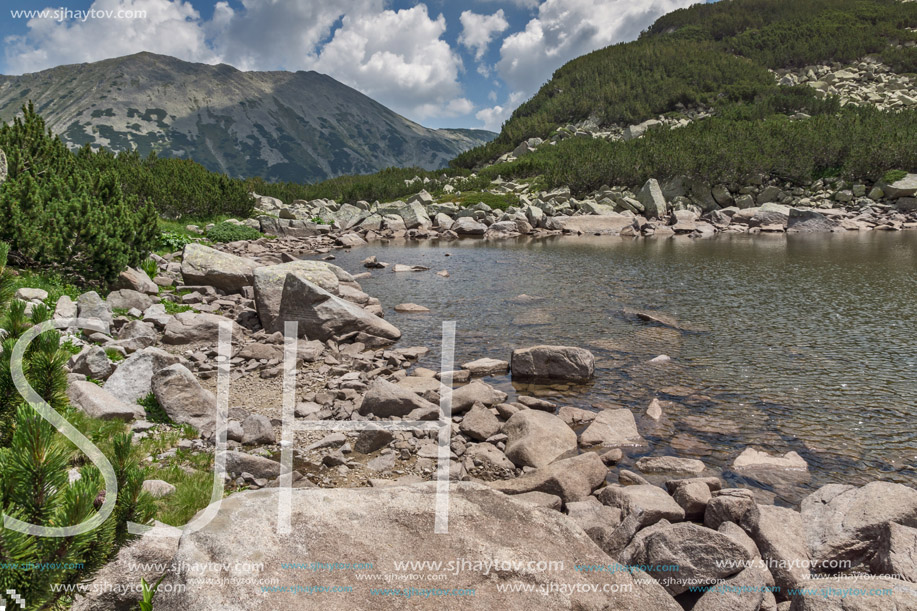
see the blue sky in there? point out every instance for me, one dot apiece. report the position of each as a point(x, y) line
point(442, 63)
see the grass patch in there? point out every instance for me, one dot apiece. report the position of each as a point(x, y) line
point(497, 201)
point(55, 283)
point(113, 355)
point(154, 411)
point(175, 308)
point(893, 176)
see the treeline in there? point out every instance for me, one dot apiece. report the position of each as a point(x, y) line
point(90, 214)
point(855, 143)
point(715, 53)
point(783, 34)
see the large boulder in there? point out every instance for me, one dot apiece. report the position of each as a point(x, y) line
point(99, 403)
point(553, 362)
point(476, 392)
point(845, 594)
point(136, 279)
point(466, 225)
point(572, 479)
point(191, 327)
point(116, 587)
point(654, 204)
point(128, 299)
point(613, 428)
point(702, 556)
point(184, 399)
point(323, 316)
point(650, 503)
point(896, 552)
point(385, 399)
point(535, 438)
point(268, 284)
point(383, 526)
point(413, 213)
point(809, 221)
point(589, 224)
point(845, 523)
point(238, 463)
point(93, 363)
point(204, 265)
point(480, 423)
point(90, 305)
point(904, 187)
point(779, 534)
point(133, 379)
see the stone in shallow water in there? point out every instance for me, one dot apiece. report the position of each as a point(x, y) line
point(487, 366)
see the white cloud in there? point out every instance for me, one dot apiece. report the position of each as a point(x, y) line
point(395, 57)
point(479, 30)
point(529, 4)
point(493, 117)
point(398, 58)
point(170, 27)
point(565, 29)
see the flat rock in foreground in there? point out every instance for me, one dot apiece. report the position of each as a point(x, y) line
point(395, 524)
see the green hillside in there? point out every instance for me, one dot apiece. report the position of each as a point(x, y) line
point(718, 55)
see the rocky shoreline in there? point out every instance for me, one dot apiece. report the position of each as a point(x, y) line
point(542, 473)
point(680, 206)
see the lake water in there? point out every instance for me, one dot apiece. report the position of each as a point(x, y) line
point(802, 343)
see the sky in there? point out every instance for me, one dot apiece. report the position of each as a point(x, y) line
point(442, 63)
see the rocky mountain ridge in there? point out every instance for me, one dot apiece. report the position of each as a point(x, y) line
point(301, 126)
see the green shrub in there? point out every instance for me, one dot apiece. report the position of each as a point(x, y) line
point(172, 241)
point(34, 471)
point(230, 232)
point(58, 210)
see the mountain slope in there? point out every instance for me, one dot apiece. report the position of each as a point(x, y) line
point(300, 126)
point(709, 54)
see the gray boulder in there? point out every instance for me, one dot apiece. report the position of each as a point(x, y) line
point(323, 316)
point(385, 399)
point(475, 392)
point(479, 423)
point(116, 586)
point(127, 299)
point(536, 438)
point(136, 279)
point(612, 428)
point(836, 595)
point(896, 552)
point(93, 363)
point(905, 187)
point(845, 522)
point(780, 536)
point(90, 305)
point(257, 429)
point(651, 503)
point(572, 479)
point(553, 362)
point(204, 265)
point(238, 463)
point(466, 225)
point(191, 327)
point(703, 556)
point(809, 221)
point(654, 204)
point(99, 403)
point(268, 285)
point(133, 378)
point(385, 525)
point(742, 592)
point(183, 399)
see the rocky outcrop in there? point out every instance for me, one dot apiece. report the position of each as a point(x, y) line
point(183, 399)
point(321, 315)
point(99, 403)
point(382, 526)
point(269, 280)
point(204, 265)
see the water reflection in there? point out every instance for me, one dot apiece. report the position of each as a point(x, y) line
point(798, 343)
